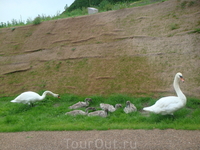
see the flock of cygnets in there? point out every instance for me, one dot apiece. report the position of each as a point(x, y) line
point(102, 113)
point(164, 106)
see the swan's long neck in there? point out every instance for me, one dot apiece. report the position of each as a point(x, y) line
point(87, 111)
point(127, 105)
point(178, 90)
point(45, 93)
point(86, 101)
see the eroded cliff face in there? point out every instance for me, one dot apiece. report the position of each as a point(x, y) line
point(132, 51)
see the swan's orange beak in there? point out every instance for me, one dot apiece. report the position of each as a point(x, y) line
point(182, 79)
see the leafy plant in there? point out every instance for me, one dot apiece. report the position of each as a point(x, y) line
point(183, 4)
point(197, 30)
point(37, 20)
point(73, 49)
point(174, 26)
point(13, 29)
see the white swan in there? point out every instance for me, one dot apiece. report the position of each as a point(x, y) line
point(170, 104)
point(31, 97)
point(81, 104)
point(80, 112)
point(110, 108)
point(129, 107)
point(101, 113)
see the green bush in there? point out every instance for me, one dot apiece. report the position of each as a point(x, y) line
point(37, 20)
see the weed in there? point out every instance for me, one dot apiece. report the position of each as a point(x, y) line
point(73, 49)
point(174, 26)
point(16, 47)
point(58, 65)
point(191, 3)
point(42, 84)
point(37, 20)
point(13, 29)
point(183, 4)
point(28, 34)
point(197, 30)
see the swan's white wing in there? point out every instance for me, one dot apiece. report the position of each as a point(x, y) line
point(165, 105)
point(76, 112)
point(127, 110)
point(26, 97)
point(132, 106)
point(100, 113)
point(110, 108)
point(104, 106)
point(78, 105)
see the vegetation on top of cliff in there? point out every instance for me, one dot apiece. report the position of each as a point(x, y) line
point(79, 8)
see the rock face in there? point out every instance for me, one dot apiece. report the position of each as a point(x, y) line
point(133, 51)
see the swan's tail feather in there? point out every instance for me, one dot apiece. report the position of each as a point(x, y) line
point(149, 109)
point(13, 101)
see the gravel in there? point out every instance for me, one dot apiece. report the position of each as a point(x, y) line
point(102, 140)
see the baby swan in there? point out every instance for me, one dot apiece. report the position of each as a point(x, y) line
point(129, 107)
point(110, 108)
point(80, 112)
point(101, 113)
point(31, 97)
point(81, 104)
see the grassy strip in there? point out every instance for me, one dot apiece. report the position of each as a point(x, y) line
point(49, 115)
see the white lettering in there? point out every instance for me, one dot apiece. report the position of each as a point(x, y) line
point(101, 143)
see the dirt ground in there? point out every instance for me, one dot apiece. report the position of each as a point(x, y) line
point(131, 51)
point(103, 140)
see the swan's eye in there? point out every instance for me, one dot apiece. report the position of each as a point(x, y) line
point(180, 76)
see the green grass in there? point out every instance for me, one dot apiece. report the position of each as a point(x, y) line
point(49, 115)
point(174, 26)
point(197, 30)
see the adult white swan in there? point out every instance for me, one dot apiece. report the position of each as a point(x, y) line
point(31, 97)
point(170, 104)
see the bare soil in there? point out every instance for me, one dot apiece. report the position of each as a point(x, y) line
point(132, 51)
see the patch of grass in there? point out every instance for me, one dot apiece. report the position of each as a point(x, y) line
point(19, 117)
point(197, 30)
point(15, 47)
point(28, 34)
point(174, 26)
point(183, 4)
point(73, 49)
point(12, 29)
